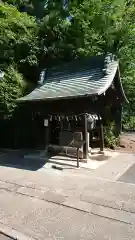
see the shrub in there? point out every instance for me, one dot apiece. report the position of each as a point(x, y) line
point(110, 139)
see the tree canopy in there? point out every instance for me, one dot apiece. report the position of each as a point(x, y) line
point(35, 34)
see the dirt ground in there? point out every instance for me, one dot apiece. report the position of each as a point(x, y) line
point(127, 142)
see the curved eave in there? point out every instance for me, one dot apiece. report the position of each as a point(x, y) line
point(110, 75)
point(21, 100)
point(115, 73)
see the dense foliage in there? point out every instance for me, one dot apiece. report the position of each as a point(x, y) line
point(37, 33)
point(18, 52)
point(12, 87)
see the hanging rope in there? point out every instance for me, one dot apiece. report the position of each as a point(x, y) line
point(90, 117)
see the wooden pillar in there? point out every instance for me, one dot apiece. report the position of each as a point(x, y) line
point(77, 157)
point(47, 133)
point(85, 137)
point(118, 120)
point(101, 134)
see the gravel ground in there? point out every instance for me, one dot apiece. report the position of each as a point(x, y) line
point(127, 142)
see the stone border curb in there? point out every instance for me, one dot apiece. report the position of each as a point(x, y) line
point(13, 233)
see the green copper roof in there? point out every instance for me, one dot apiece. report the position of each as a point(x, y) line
point(85, 77)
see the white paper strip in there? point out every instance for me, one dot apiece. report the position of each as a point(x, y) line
point(46, 122)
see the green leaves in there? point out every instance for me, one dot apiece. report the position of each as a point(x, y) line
point(17, 34)
point(97, 27)
point(18, 52)
point(11, 88)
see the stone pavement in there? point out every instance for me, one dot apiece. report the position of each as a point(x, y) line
point(4, 237)
point(77, 204)
point(96, 159)
point(129, 175)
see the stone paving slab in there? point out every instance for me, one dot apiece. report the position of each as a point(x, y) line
point(94, 190)
point(4, 237)
point(8, 233)
point(113, 169)
point(107, 194)
point(9, 186)
point(113, 206)
point(102, 211)
point(44, 195)
point(129, 175)
point(43, 220)
point(51, 204)
point(120, 211)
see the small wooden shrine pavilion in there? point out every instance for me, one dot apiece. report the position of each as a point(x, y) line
point(75, 96)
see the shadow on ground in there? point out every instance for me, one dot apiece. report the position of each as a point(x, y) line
point(15, 159)
point(34, 160)
point(30, 160)
point(128, 176)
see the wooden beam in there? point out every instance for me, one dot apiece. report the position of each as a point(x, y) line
point(85, 137)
